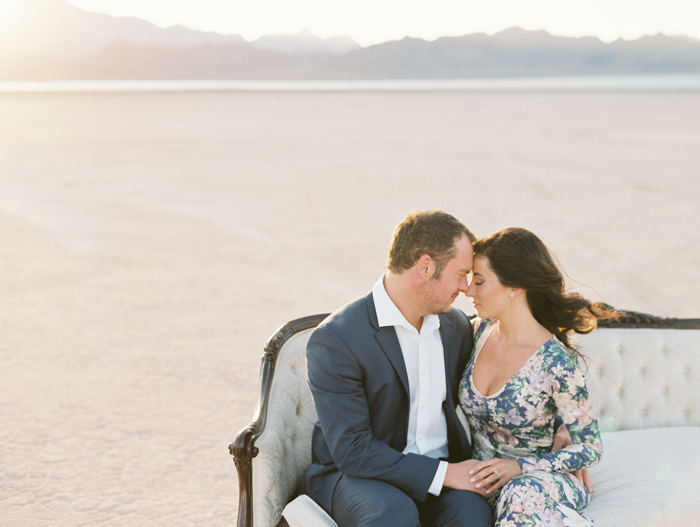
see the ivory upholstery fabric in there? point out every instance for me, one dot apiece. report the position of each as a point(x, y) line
point(643, 378)
point(285, 444)
point(638, 379)
point(647, 478)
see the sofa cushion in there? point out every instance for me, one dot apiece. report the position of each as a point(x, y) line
point(647, 477)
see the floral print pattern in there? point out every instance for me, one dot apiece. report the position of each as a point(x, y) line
point(517, 422)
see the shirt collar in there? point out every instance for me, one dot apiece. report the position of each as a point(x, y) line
point(389, 315)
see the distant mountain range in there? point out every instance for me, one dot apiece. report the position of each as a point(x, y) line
point(52, 40)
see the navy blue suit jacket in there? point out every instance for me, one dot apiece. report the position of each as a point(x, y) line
point(360, 388)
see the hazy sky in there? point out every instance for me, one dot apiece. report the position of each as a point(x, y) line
point(372, 21)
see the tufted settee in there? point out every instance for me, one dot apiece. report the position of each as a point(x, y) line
point(643, 376)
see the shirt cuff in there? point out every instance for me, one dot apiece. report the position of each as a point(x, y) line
point(439, 479)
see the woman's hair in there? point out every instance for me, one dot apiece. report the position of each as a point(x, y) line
point(520, 259)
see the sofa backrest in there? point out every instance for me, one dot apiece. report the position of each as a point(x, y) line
point(643, 378)
point(637, 378)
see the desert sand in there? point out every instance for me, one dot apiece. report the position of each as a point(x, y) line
point(150, 243)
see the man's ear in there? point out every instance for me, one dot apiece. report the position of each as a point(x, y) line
point(426, 267)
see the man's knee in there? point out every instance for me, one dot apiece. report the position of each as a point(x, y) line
point(461, 508)
point(370, 503)
point(398, 513)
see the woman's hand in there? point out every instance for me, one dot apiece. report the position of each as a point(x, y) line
point(494, 473)
point(562, 439)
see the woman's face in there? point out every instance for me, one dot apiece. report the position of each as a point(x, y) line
point(489, 296)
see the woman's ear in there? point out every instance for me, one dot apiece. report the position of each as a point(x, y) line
point(514, 291)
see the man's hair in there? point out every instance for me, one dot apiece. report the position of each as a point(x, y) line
point(431, 232)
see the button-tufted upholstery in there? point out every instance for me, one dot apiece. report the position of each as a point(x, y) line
point(643, 378)
point(637, 379)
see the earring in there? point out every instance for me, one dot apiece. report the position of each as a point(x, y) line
point(512, 294)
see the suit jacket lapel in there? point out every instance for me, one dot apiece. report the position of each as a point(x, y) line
point(448, 334)
point(389, 342)
point(457, 442)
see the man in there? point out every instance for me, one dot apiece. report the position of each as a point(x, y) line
point(384, 371)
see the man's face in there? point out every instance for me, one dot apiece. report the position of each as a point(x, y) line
point(441, 292)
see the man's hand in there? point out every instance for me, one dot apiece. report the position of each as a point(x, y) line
point(458, 477)
point(562, 439)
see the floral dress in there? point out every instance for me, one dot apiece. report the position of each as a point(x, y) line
point(517, 422)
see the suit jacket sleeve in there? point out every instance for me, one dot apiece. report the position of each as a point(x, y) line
point(337, 386)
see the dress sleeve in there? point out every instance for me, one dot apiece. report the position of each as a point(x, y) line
point(570, 396)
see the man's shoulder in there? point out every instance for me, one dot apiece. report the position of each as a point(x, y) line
point(349, 316)
point(347, 327)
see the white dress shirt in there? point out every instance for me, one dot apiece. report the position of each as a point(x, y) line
point(425, 365)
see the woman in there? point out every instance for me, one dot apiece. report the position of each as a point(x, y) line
point(524, 372)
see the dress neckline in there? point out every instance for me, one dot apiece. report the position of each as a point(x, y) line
point(480, 344)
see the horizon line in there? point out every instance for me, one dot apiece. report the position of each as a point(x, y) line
point(592, 83)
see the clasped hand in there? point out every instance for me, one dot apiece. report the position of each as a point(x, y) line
point(484, 477)
point(492, 474)
point(480, 476)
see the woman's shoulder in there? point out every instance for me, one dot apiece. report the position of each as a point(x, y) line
point(560, 356)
